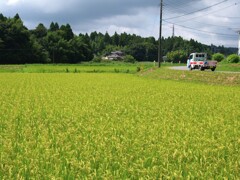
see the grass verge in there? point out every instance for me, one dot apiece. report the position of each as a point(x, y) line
point(206, 77)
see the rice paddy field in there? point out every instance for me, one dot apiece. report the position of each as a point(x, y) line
point(117, 126)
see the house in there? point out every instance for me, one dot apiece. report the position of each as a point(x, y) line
point(115, 55)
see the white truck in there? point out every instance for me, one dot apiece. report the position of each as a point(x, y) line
point(199, 61)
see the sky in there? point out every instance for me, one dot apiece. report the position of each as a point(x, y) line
point(209, 22)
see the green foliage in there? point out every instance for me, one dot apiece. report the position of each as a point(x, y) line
point(16, 46)
point(142, 51)
point(129, 58)
point(176, 56)
point(218, 57)
point(67, 32)
point(54, 27)
point(97, 59)
point(58, 44)
point(40, 31)
point(233, 58)
point(225, 66)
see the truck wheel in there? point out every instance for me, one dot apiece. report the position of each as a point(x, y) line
point(202, 69)
point(213, 69)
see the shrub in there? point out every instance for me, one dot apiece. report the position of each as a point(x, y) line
point(138, 69)
point(129, 58)
point(218, 57)
point(176, 56)
point(224, 61)
point(233, 58)
point(106, 61)
point(97, 59)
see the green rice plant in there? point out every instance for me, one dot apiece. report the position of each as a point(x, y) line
point(116, 126)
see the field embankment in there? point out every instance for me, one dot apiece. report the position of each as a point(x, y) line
point(204, 77)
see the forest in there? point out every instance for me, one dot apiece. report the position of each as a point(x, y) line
point(59, 44)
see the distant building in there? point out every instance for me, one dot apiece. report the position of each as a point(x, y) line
point(115, 55)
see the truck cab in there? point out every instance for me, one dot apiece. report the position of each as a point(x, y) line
point(199, 61)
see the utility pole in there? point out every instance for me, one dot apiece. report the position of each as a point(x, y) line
point(239, 42)
point(160, 36)
point(173, 31)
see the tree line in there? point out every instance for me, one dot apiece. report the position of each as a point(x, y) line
point(58, 44)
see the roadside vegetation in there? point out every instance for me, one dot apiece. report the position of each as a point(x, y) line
point(206, 77)
point(231, 67)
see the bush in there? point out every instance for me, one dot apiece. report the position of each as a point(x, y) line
point(129, 58)
point(140, 68)
point(218, 57)
point(233, 58)
point(224, 61)
point(176, 56)
point(97, 59)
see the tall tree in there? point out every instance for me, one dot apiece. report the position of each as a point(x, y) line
point(115, 39)
point(107, 39)
point(54, 26)
point(16, 41)
point(67, 32)
point(40, 31)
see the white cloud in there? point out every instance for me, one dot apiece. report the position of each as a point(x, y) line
point(12, 2)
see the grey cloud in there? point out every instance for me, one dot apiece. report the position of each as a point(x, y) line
point(132, 15)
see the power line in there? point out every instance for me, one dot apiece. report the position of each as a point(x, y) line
point(174, 7)
point(209, 13)
point(229, 17)
point(219, 26)
point(197, 10)
point(208, 32)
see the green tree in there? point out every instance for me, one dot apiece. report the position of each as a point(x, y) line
point(129, 58)
point(1, 43)
point(138, 51)
point(2, 18)
point(115, 39)
point(15, 37)
point(233, 58)
point(151, 51)
point(124, 39)
point(107, 39)
point(40, 31)
point(54, 26)
point(93, 36)
point(50, 43)
point(80, 50)
point(67, 32)
point(218, 57)
point(38, 53)
point(142, 51)
point(176, 56)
